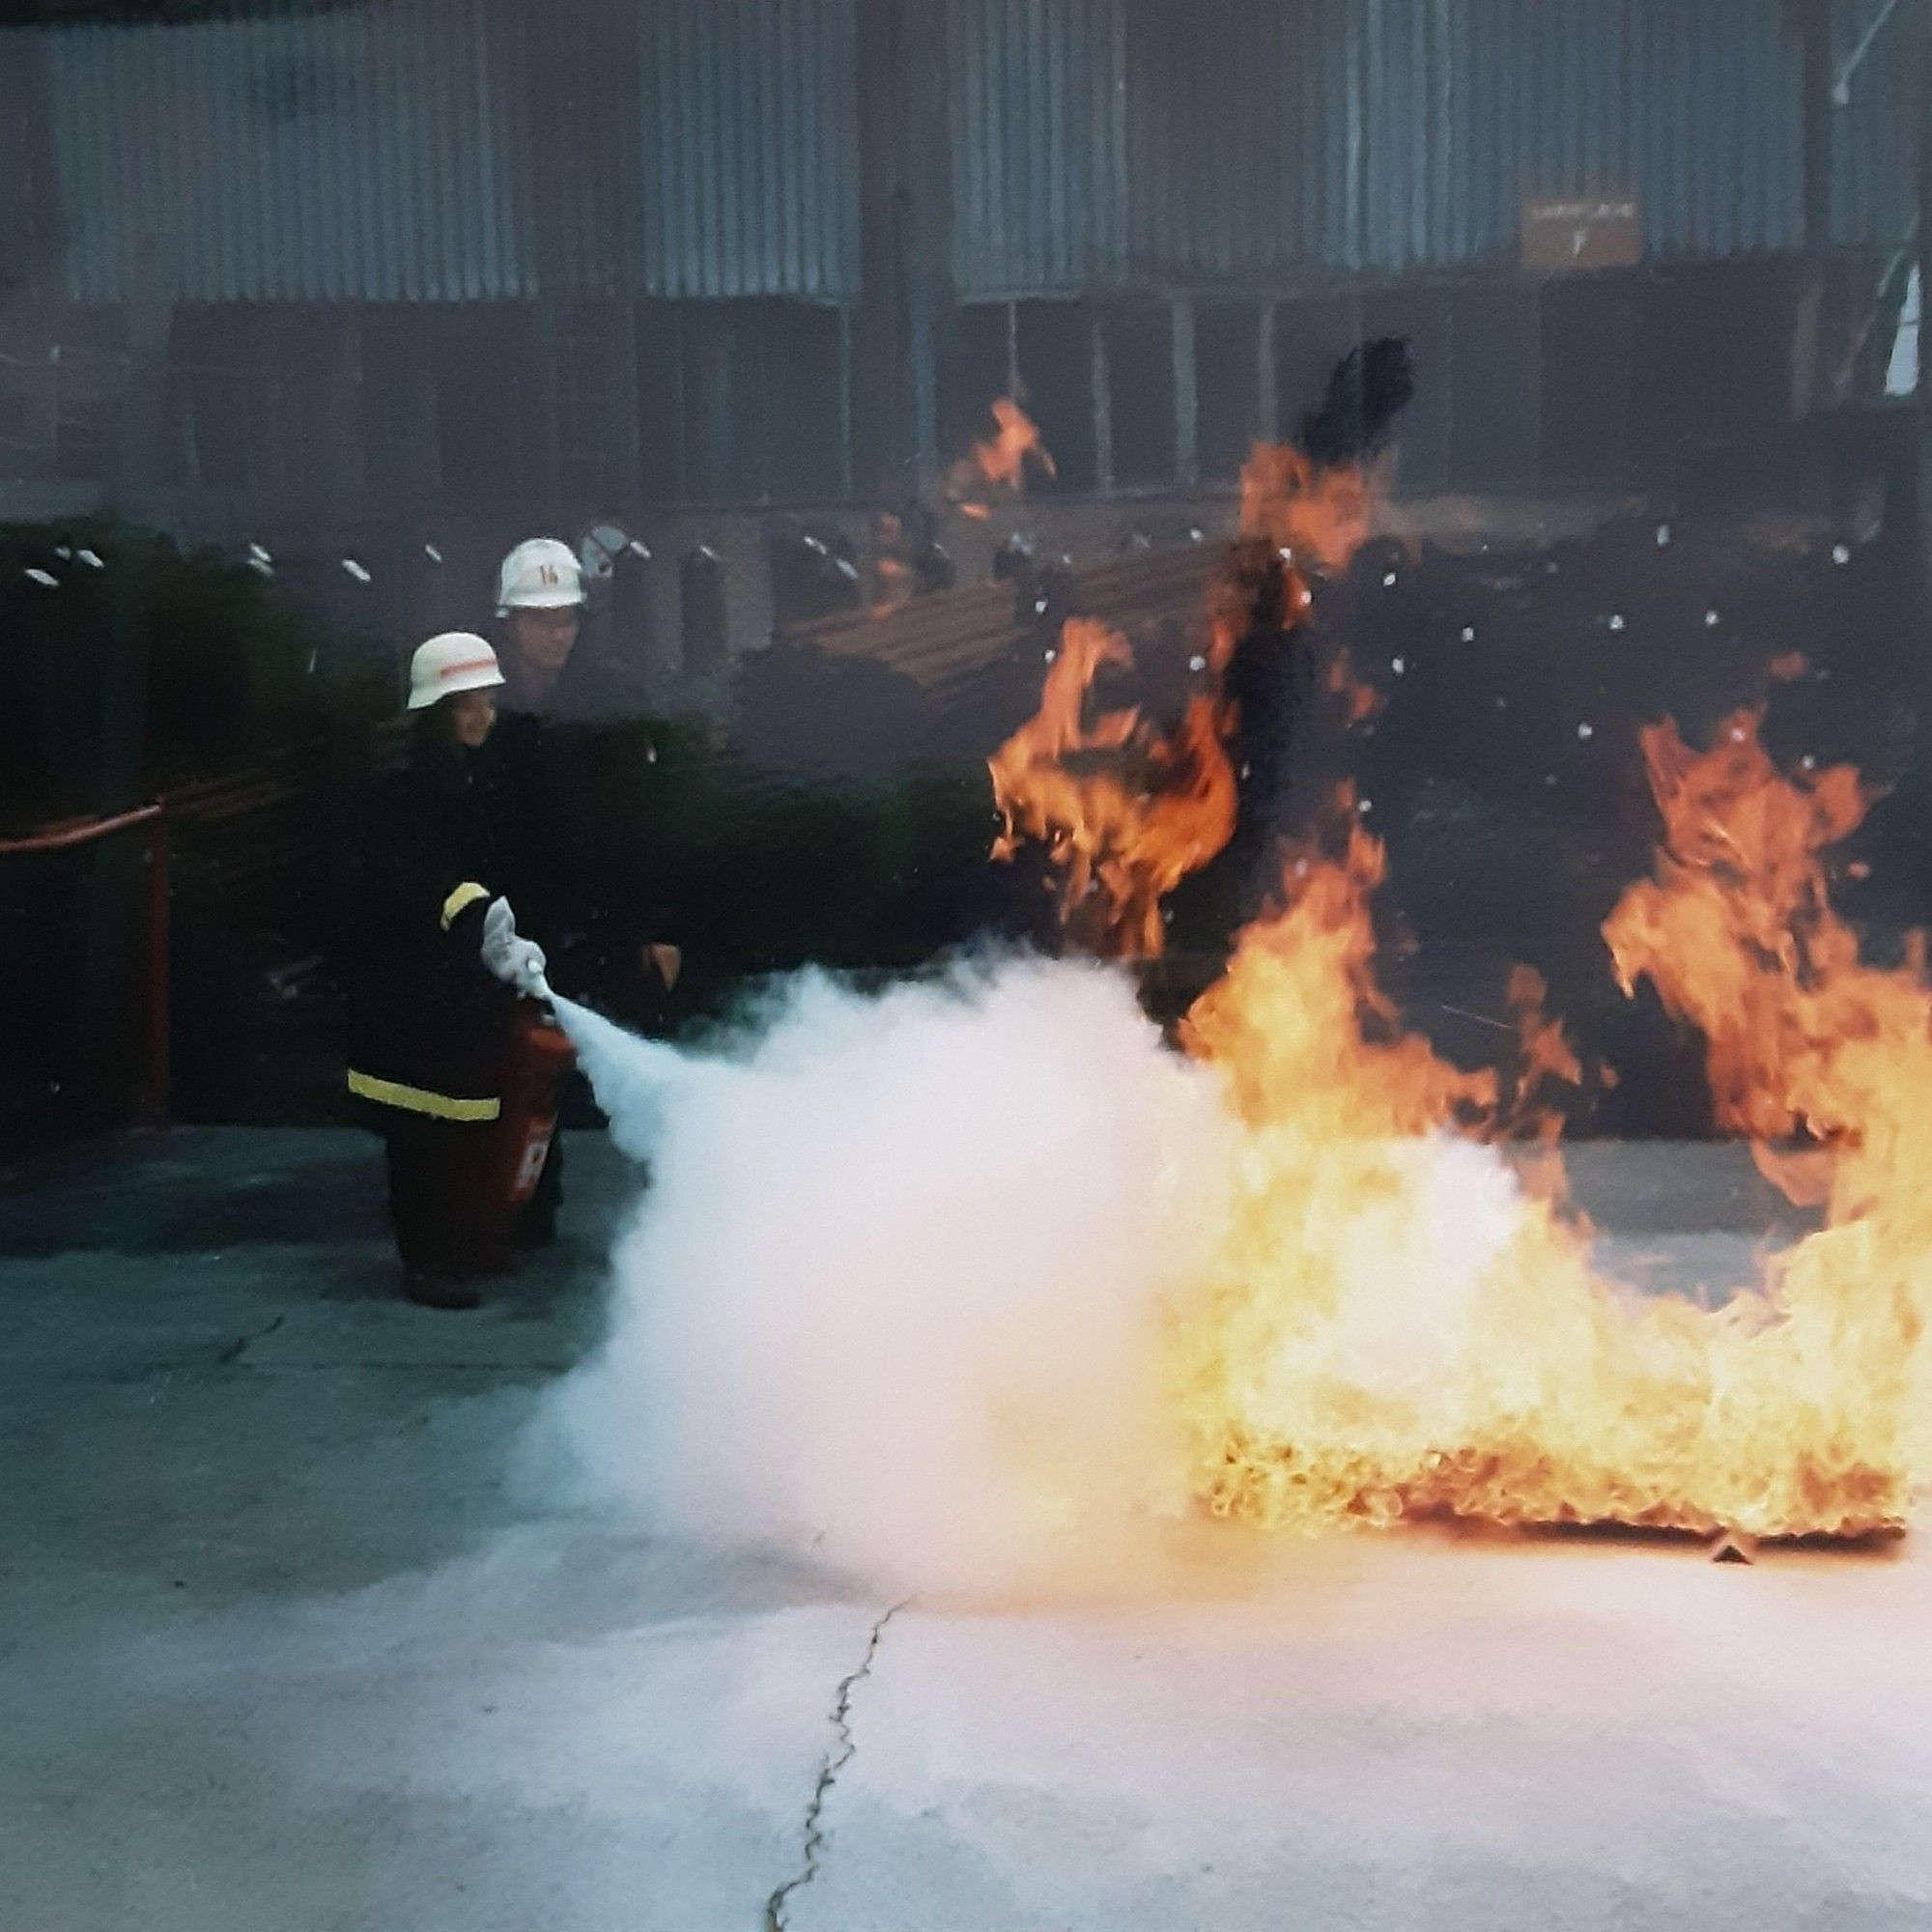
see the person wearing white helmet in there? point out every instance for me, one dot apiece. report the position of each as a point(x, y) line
point(540, 602)
point(440, 968)
point(535, 776)
point(525, 780)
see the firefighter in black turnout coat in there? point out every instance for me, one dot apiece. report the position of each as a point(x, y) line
point(553, 871)
point(441, 967)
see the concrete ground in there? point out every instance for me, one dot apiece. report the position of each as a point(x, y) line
point(283, 1644)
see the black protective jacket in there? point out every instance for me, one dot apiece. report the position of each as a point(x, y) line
point(429, 1026)
point(564, 800)
point(521, 779)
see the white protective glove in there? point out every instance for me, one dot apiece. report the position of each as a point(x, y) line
point(517, 961)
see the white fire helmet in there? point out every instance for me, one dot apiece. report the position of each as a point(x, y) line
point(540, 575)
point(453, 661)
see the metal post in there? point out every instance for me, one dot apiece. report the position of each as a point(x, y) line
point(109, 894)
point(846, 489)
point(1099, 399)
point(155, 1094)
point(1812, 326)
point(1921, 470)
point(1186, 395)
point(1267, 400)
point(890, 395)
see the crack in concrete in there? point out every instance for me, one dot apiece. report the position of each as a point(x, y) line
point(241, 1344)
point(845, 1748)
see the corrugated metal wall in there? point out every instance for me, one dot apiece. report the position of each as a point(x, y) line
point(1326, 138)
point(456, 149)
point(751, 150)
point(345, 155)
point(1243, 160)
point(1874, 187)
point(434, 150)
point(1694, 105)
point(1715, 110)
point(1039, 134)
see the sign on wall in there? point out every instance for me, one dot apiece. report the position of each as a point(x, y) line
point(1568, 235)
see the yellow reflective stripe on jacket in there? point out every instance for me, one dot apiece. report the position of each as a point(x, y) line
point(461, 901)
point(420, 1100)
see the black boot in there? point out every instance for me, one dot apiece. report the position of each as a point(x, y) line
point(440, 1291)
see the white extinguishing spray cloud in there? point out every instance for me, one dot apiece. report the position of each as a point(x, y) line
point(893, 1293)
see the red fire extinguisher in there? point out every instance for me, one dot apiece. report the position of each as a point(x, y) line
point(539, 1057)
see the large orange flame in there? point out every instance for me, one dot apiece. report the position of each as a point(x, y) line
point(1804, 1039)
point(1737, 933)
point(1393, 1327)
point(1391, 1318)
point(1001, 460)
point(1317, 514)
point(1125, 813)
point(1299, 1027)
